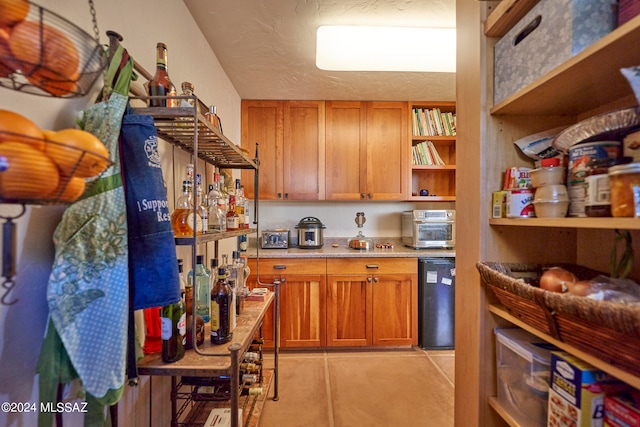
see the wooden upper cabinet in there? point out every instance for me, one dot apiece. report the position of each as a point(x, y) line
point(365, 150)
point(386, 153)
point(291, 138)
point(346, 151)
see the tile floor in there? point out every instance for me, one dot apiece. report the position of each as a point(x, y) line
point(408, 387)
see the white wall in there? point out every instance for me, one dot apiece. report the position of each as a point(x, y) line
point(142, 24)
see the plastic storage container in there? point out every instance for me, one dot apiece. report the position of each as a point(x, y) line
point(622, 180)
point(523, 363)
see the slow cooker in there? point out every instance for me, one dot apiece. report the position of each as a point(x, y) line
point(310, 233)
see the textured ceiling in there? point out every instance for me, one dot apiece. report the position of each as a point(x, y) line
point(267, 47)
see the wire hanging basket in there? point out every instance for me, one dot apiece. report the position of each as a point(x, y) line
point(42, 53)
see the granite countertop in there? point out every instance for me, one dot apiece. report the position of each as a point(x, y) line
point(342, 250)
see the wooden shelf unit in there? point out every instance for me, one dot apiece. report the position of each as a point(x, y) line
point(440, 181)
point(587, 84)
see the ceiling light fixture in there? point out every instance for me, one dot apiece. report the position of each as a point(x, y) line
point(363, 48)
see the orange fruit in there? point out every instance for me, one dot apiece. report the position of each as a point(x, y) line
point(54, 65)
point(13, 11)
point(77, 153)
point(16, 127)
point(69, 189)
point(6, 65)
point(30, 175)
point(52, 83)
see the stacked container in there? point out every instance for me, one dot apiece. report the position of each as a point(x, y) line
point(551, 199)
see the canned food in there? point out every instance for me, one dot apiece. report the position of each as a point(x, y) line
point(520, 203)
point(623, 179)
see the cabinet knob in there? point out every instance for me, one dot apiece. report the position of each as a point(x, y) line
point(279, 195)
point(362, 195)
point(370, 196)
point(286, 195)
point(375, 279)
point(369, 279)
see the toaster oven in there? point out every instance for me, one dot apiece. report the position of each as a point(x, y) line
point(429, 229)
point(275, 239)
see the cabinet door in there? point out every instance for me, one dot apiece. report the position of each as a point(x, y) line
point(262, 122)
point(302, 311)
point(303, 171)
point(386, 150)
point(395, 310)
point(346, 151)
point(349, 317)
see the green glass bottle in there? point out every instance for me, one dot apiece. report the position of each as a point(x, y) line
point(174, 331)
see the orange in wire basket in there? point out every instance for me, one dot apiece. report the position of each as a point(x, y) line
point(51, 65)
point(77, 153)
point(13, 11)
point(16, 127)
point(6, 66)
point(30, 175)
point(73, 188)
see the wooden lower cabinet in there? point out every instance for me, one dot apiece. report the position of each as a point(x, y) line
point(342, 302)
point(372, 302)
point(302, 300)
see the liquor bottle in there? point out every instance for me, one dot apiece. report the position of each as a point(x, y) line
point(240, 203)
point(160, 84)
point(188, 306)
point(187, 90)
point(174, 329)
point(184, 218)
point(221, 309)
point(237, 274)
point(233, 220)
point(202, 287)
point(199, 204)
point(212, 117)
point(153, 331)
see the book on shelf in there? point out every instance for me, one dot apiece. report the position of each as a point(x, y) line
point(433, 122)
point(425, 153)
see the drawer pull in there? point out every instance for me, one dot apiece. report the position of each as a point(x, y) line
point(279, 267)
point(372, 265)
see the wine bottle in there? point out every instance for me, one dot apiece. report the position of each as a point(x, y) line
point(221, 310)
point(174, 330)
point(160, 84)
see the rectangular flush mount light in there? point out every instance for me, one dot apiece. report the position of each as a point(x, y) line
point(362, 48)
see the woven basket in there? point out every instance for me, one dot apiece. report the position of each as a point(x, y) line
point(607, 330)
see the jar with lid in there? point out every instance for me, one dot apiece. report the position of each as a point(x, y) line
point(597, 202)
point(625, 184)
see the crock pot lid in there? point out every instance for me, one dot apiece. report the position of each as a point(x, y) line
point(310, 222)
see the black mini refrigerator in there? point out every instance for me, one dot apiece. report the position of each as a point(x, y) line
point(436, 299)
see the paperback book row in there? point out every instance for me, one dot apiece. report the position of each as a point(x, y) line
point(433, 122)
point(425, 153)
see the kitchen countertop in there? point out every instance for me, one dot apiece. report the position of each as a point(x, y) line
point(343, 250)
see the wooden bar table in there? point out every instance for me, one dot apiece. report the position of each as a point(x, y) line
point(214, 360)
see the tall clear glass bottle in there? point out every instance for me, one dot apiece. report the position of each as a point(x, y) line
point(199, 205)
point(240, 203)
point(202, 283)
point(160, 84)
